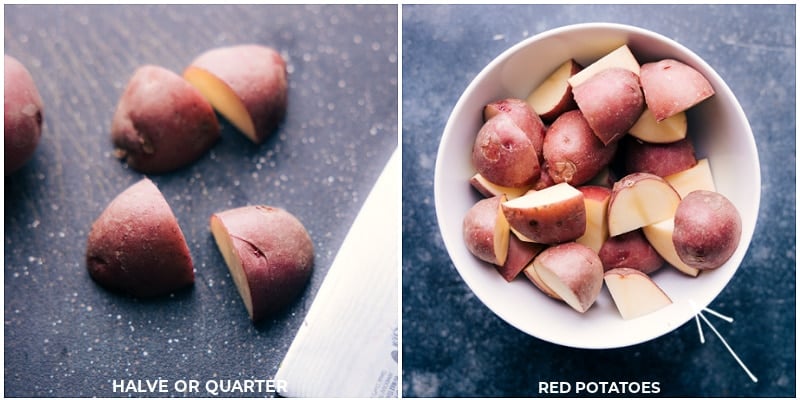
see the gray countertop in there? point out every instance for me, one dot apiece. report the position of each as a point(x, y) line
point(455, 346)
point(67, 336)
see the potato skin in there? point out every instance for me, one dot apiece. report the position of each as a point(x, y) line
point(136, 246)
point(662, 159)
point(550, 223)
point(258, 76)
point(630, 250)
point(504, 154)
point(577, 267)
point(707, 229)
point(523, 116)
point(573, 152)
point(671, 86)
point(276, 253)
point(479, 228)
point(162, 122)
point(611, 101)
point(23, 115)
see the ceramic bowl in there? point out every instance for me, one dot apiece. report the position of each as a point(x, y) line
point(718, 128)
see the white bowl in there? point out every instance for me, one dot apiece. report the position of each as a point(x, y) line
point(718, 128)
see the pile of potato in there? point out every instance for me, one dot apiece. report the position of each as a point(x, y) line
point(163, 122)
point(592, 179)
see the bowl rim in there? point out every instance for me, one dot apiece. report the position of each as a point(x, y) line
point(722, 90)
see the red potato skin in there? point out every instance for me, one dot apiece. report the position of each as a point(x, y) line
point(611, 101)
point(258, 76)
point(276, 251)
point(671, 86)
point(162, 123)
point(136, 246)
point(552, 223)
point(707, 231)
point(545, 180)
point(630, 250)
point(662, 159)
point(23, 115)
point(504, 154)
point(572, 151)
point(523, 116)
point(520, 254)
point(479, 227)
point(579, 268)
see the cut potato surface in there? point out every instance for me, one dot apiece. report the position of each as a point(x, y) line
point(634, 293)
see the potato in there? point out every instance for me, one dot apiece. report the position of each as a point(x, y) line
point(630, 250)
point(269, 254)
point(573, 152)
point(489, 189)
point(520, 255)
point(523, 116)
point(640, 199)
point(136, 246)
point(552, 215)
point(486, 231)
point(595, 199)
point(611, 102)
point(553, 96)
point(533, 276)
point(671, 86)
point(248, 84)
point(504, 154)
point(23, 115)
point(707, 229)
point(162, 123)
point(573, 271)
point(662, 159)
point(634, 293)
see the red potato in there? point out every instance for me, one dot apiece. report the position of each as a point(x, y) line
point(573, 271)
point(552, 215)
point(671, 86)
point(573, 152)
point(634, 293)
point(707, 229)
point(523, 116)
point(545, 180)
point(248, 84)
point(667, 130)
point(504, 154)
point(489, 189)
point(553, 97)
point(662, 159)
point(595, 198)
point(23, 115)
point(660, 237)
point(611, 102)
point(520, 254)
point(640, 199)
point(162, 123)
point(136, 246)
point(269, 254)
point(621, 57)
point(695, 178)
point(486, 231)
point(630, 250)
point(533, 276)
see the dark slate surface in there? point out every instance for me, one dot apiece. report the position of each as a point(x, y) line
point(65, 335)
point(454, 346)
